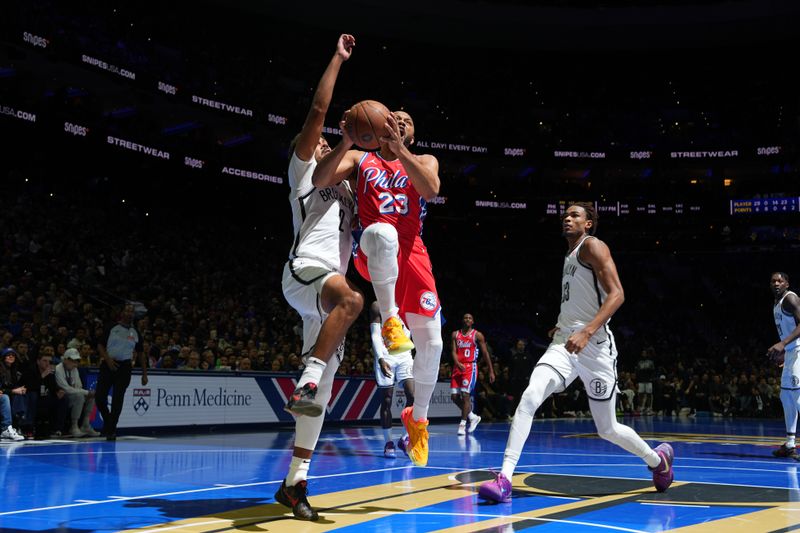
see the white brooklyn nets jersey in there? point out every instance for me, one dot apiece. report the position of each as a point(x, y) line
point(322, 218)
point(785, 322)
point(581, 294)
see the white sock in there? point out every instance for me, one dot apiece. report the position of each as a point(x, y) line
point(386, 314)
point(520, 429)
point(790, 440)
point(387, 435)
point(312, 373)
point(462, 423)
point(298, 471)
point(422, 399)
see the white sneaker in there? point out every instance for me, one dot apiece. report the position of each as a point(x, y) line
point(473, 423)
point(462, 429)
point(11, 434)
point(89, 431)
point(76, 432)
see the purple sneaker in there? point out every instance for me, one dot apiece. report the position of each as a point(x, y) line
point(389, 451)
point(663, 474)
point(498, 490)
point(403, 445)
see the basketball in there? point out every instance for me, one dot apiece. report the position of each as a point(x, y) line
point(365, 123)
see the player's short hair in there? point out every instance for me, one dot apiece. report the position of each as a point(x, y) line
point(591, 214)
point(784, 275)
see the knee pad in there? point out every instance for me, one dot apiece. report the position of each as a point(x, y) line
point(380, 240)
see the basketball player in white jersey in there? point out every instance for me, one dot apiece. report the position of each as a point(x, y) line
point(314, 283)
point(787, 319)
point(390, 370)
point(583, 346)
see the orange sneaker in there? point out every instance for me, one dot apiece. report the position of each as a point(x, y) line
point(394, 338)
point(417, 436)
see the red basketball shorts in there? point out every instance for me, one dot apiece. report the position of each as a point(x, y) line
point(415, 291)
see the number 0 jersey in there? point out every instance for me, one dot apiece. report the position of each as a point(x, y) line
point(784, 322)
point(385, 194)
point(466, 346)
point(581, 294)
point(322, 218)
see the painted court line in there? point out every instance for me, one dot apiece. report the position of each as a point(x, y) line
point(115, 499)
point(479, 515)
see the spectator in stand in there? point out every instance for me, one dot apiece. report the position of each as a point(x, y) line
point(13, 386)
point(45, 408)
point(192, 362)
point(8, 431)
point(80, 401)
point(79, 339)
point(645, 372)
point(521, 365)
point(244, 365)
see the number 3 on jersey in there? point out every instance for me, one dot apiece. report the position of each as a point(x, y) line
point(392, 204)
point(565, 293)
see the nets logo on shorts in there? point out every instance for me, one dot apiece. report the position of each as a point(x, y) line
point(795, 381)
point(598, 387)
point(427, 301)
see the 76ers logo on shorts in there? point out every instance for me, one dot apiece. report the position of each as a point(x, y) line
point(427, 301)
point(598, 388)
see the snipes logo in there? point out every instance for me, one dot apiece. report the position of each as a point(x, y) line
point(141, 405)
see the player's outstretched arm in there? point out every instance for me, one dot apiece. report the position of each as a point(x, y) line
point(312, 128)
point(791, 304)
point(340, 164)
point(596, 254)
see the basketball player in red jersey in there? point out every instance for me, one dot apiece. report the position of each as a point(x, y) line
point(392, 187)
point(468, 342)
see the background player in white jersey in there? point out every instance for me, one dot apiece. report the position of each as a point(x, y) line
point(314, 283)
point(390, 369)
point(467, 344)
point(582, 346)
point(787, 319)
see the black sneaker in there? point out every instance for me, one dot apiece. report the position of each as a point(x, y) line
point(301, 402)
point(296, 498)
point(783, 451)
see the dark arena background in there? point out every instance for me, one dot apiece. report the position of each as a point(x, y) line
point(144, 150)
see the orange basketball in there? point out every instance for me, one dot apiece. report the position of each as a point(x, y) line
point(365, 123)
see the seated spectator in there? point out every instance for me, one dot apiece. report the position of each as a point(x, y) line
point(46, 411)
point(12, 385)
point(80, 401)
point(8, 433)
point(245, 365)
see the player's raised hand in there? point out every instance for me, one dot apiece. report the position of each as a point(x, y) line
point(347, 139)
point(345, 46)
point(393, 137)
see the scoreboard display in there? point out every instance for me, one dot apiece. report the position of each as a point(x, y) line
point(765, 205)
point(627, 207)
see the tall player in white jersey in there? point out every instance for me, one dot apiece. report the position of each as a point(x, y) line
point(787, 319)
point(314, 283)
point(583, 346)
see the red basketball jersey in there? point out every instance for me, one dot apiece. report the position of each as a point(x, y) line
point(467, 346)
point(385, 194)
